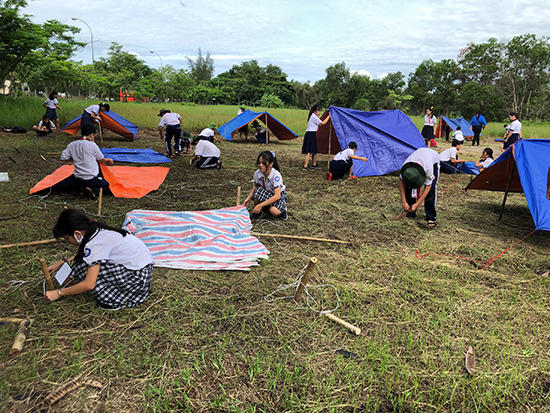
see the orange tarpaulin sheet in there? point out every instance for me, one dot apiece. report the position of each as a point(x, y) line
point(124, 181)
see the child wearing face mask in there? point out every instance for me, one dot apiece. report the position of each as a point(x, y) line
point(112, 264)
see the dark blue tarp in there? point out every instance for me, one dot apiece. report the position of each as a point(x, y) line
point(278, 129)
point(469, 168)
point(386, 138)
point(528, 161)
point(134, 155)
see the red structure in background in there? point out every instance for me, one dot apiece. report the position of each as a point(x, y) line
point(129, 97)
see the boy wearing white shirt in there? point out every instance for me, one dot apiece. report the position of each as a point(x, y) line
point(448, 159)
point(207, 155)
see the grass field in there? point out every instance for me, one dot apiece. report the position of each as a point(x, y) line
point(208, 341)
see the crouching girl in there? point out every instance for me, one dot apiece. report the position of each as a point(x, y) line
point(115, 266)
point(269, 192)
point(342, 164)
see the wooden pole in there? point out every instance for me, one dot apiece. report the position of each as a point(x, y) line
point(49, 281)
point(238, 195)
point(11, 320)
point(266, 131)
point(329, 137)
point(100, 201)
point(349, 326)
point(101, 132)
point(297, 237)
point(506, 192)
point(20, 337)
point(24, 244)
point(305, 279)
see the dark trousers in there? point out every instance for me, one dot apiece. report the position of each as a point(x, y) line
point(74, 184)
point(340, 168)
point(172, 131)
point(477, 131)
point(447, 167)
point(511, 140)
point(429, 202)
point(207, 162)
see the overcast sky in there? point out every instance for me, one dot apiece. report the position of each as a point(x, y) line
point(302, 37)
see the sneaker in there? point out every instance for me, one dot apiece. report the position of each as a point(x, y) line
point(254, 217)
point(329, 176)
point(353, 177)
point(283, 216)
point(219, 165)
point(316, 166)
point(306, 168)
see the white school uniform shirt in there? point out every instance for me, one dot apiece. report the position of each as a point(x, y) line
point(487, 162)
point(207, 149)
point(93, 109)
point(274, 180)
point(515, 127)
point(430, 120)
point(426, 158)
point(85, 155)
point(52, 125)
point(448, 154)
point(207, 132)
point(169, 119)
point(458, 135)
point(343, 155)
point(117, 249)
point(313, 123)
point(50, 104)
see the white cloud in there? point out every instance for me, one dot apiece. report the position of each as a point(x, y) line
point(382, 76)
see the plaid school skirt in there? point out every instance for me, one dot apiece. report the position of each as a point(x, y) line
point(117, 286)
point(262, 194)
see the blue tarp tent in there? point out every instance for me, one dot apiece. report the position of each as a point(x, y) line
point(453, 124)
point(134, 155)
point(228, 129)
point(523, 167)
point(110, 120)
point(387, 138)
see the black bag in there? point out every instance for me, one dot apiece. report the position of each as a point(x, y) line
point(15, 129)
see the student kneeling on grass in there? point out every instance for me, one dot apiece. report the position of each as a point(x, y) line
point(44, 127)
point(268, 193)
point(342, 163)
point(85, 155)
point(420, 168)
point(207, 155)
point(449, 158)
point(115, 266)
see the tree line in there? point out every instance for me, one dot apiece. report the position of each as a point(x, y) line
point(494, 77)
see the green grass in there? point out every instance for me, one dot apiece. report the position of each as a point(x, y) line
point(208, 341)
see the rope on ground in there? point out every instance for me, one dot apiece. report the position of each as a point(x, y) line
point(483, 264)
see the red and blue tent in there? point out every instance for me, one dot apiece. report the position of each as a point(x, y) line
point(523, 167)
point(110, 120)
point(386, 138)
point(228, 130)
point(453, 124)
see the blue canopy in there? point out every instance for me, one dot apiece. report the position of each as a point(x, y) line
point(386, 138)
point(528, 162)
point(134, 155)
point(453, 124)
point(278, 129)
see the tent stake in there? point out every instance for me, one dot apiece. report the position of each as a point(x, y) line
point(305, 279)
point(49, 281)
point(100, 201)
point(24, 244)
point(238, 195)
point(506, 192)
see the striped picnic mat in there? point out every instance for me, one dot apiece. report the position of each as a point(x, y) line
point(198, 240)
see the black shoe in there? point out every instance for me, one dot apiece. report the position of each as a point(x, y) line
point(316, 166)
point(283, 216)
point(306, 168)
point(254, 217)
point(89, 194)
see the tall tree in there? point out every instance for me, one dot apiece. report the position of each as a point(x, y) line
point(202, 68)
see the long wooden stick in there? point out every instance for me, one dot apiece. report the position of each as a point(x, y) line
point(298, 237)
point(238, 195)
point(349, 326)
point(305, 279)
point(24, 244)
point(20, 337)
point(49, 281)
point(100, 201)
point(11, 320)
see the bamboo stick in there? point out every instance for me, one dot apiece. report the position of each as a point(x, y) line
point(11, 320)
point(349, 326)
point(299, 237)
point(238, 195)
point(305, 279)
point(24, 244)
point(49, 281)
point(20, 337)
point(100, 201)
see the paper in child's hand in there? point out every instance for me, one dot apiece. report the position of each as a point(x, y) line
point(63, 273)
